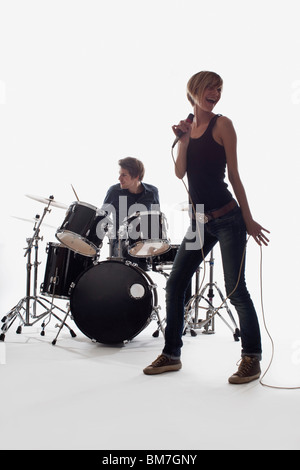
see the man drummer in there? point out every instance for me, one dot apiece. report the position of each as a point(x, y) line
point(124, 199)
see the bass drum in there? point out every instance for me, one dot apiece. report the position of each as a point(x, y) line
point(112, 302)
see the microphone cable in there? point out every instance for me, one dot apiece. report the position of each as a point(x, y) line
point(194, 298)
point(276, 387)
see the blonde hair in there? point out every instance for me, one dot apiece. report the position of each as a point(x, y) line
point(199, 82)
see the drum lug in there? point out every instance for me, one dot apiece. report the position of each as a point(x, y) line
point(155, 311)
point(72, 285)
point(54, 281)
point(123, 232)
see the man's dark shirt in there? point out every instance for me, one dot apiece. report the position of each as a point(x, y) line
point(126, 203)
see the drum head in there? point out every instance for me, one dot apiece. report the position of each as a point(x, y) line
point(77, 243)
point(82, 230)
point(149, 248)
point(112, 302)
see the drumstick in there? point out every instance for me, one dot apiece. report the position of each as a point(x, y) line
point(75, 193)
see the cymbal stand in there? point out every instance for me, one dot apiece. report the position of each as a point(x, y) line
point(23, 310)
point(192, 321)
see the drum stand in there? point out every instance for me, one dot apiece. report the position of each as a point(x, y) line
point(192, 321)
point(26, 308)
point(62, 324)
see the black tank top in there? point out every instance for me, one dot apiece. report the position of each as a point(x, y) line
point(206, 165)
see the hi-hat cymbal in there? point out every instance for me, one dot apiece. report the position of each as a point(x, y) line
point(31, 221)
point(44, 200)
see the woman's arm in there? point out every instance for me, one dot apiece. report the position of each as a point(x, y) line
point(228, 137)
point(180, 164)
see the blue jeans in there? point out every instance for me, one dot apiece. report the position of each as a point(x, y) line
point(230, 231)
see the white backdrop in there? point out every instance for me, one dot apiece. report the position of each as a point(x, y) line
point(84, 83)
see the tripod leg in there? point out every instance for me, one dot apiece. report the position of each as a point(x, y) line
point(10, 318)
point(63, 323)
point(7, 324)
point(50, 313)
point(236, 332)
point(159, 323)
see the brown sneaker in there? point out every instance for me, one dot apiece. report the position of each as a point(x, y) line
point(249, 370)
point(163, 364)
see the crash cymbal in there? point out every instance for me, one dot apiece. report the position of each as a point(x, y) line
point(44, 200)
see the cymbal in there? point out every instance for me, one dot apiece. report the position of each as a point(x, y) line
point(31, 221)
point(44, 200)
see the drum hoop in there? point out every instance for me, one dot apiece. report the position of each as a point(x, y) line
point(79, 237)
point(138, 213)
point(152, 285)
point(155, 240)
point(85, 204)
point(134, 331)
point(54, 245)
point(131, 265)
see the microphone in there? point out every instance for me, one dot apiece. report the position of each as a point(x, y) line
point(180, 133)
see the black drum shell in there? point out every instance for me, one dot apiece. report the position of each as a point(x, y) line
point(80, 230)
point(64, 265)
point(103, 307)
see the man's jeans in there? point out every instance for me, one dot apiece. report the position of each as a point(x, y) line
point(230, 231)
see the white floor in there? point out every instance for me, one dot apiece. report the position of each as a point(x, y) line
point(82, 395)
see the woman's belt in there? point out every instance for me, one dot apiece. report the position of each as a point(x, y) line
point(210, 215)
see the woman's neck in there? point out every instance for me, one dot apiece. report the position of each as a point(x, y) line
point(202, 117)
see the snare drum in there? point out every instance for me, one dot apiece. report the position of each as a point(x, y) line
point(83, 229)
point(62, 269)
point(145, 234)
point(113, 301)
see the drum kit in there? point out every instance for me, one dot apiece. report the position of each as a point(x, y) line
point(110, 301)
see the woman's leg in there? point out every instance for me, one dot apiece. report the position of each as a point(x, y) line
point(186, 263)
point(231, 232)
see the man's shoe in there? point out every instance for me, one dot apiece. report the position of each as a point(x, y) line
point(249, 370)
point(163, 364)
